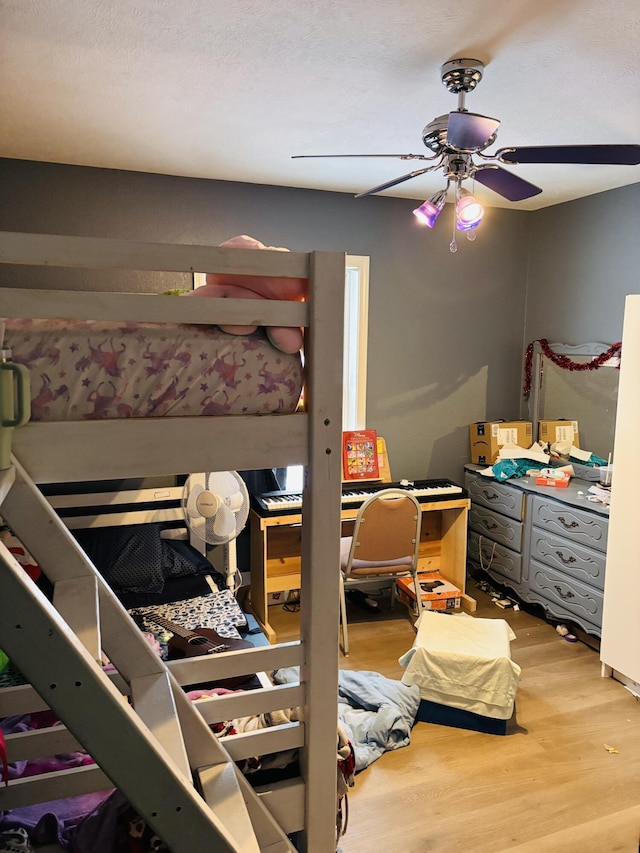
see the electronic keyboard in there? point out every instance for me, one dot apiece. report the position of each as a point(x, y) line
point(354, 494)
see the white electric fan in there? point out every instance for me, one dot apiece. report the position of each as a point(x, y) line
point(216, 508)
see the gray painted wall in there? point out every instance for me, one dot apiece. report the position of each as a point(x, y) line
point(446, 332)
point(584, 260)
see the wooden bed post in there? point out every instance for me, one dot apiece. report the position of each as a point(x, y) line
point(321, 505)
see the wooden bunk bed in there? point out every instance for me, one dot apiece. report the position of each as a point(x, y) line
point(157, 748)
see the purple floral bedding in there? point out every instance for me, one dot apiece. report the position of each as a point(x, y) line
point(85, 370)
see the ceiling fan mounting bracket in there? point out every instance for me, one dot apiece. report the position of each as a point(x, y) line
point(461, 75)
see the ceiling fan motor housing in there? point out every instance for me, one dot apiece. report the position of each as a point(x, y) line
point(459, 167)
point(434, 134)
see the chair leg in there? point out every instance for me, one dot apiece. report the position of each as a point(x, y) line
point(343, 618)
point(419, 601)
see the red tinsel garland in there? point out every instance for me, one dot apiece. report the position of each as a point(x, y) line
point(564, 361)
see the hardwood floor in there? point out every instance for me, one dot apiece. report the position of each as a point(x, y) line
point(550, 784)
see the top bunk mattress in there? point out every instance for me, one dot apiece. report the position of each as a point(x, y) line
point(88, 370)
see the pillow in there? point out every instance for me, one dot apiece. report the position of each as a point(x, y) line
point(175, 589)
point(292, 289)
point(229, 286)
point(181, 558)
point(135, 558)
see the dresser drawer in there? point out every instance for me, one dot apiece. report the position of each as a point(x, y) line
point(583, 528)
point(583, 564)
point(505, 531)
point(566, 597)
point(490, 556)
point(494, 495)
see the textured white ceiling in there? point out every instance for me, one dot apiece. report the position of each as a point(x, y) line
point(230, 89)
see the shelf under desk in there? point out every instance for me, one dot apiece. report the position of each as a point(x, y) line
point(276, 544)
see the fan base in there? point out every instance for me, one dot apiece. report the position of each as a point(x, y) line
point(461, 75)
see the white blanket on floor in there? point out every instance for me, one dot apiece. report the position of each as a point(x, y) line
point(464, 662)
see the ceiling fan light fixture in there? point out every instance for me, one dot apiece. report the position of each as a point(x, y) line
point(430, 210)
point(469, 211)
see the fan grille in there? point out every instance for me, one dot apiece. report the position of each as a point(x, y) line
point(215, 505)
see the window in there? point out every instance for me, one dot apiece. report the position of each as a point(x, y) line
point(356, 311)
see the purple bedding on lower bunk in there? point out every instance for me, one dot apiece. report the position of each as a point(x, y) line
point(87, 370)
point(104, 821)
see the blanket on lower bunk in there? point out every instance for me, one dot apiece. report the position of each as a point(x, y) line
point(218, 611)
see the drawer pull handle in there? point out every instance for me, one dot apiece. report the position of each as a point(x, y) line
point(481, 554)
point(562, 594)
point(564, 560)
point(568, 526)
point(490, 497)
point(490, 526)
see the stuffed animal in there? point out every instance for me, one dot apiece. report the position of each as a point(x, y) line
point(224, 285)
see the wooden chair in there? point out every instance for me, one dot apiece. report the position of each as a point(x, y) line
point(385, 543)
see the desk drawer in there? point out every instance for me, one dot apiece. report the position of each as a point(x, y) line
point(496, 496)
point(490, 556)
point(579, 562)
point(505, 531)
point(565, 597)
point(581, 527)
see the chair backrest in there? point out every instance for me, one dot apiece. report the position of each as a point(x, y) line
point(386, 534)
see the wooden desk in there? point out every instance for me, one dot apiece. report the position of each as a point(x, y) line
point(276, 548)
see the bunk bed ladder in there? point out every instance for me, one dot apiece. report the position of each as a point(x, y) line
point(162, 756)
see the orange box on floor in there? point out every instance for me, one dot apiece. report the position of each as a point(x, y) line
point(436, 593)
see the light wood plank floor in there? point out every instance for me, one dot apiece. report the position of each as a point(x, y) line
point(550, 784)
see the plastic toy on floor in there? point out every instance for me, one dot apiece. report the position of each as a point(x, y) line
point(566, 634)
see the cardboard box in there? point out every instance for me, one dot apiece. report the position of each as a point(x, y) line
point(487, 437)
point(562, 430)
point(436, 593)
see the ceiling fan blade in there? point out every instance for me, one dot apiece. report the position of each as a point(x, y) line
point(393, 183)
point(623, 155)
point(397, 156)
point(505, 183)
point(470, 131)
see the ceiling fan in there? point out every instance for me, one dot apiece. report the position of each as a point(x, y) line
point(458, 137)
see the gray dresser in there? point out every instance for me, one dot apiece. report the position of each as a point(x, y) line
point(547, 544)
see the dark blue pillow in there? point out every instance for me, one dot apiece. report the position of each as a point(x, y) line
point(135, 558)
